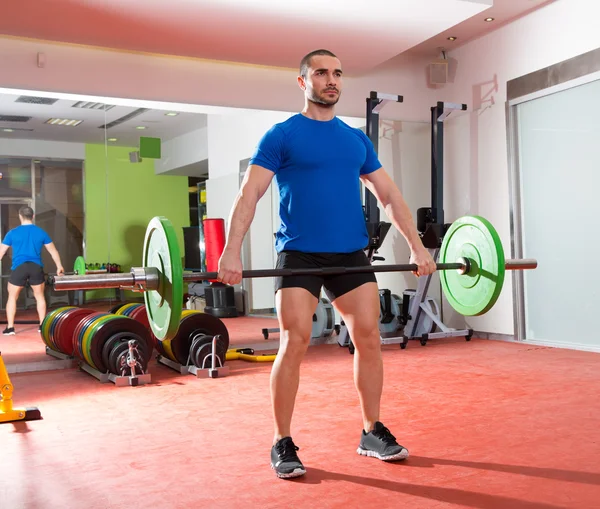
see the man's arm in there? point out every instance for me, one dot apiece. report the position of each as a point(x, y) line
point(387, 193)
point(256, 182)
point(55, 257)
point(3, 250)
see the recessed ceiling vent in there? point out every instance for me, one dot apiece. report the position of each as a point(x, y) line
point(36, 100)
point(14, 118)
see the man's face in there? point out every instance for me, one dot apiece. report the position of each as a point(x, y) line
point(323, 81)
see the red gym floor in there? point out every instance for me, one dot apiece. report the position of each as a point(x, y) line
point(488, 424)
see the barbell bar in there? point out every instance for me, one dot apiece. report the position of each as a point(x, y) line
point(148, 279)
point(472, 268)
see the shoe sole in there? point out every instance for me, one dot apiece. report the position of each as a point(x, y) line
point(402, 455)
point(296, 473)
point(8, 333)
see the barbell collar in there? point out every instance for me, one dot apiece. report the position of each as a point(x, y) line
point(521, 264)
point(140, 279)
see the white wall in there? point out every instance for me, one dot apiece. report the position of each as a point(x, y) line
point(476, 167)
point(116, 74)
point(232, 139)
point(183, 150)
point(41, 149)
point(404, 151)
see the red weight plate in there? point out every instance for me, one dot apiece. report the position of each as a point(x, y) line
point(64, 333)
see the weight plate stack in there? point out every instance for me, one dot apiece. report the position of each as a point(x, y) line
point(47, 326)
point(201, 352)
point(195, 323)
point(116, 353)
point(137, 312)
point(80, 329)
point(97, 329)
point(64, 332)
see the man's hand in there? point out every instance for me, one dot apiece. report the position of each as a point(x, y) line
point(230, 268)
point(424, 260)
point(60, 270)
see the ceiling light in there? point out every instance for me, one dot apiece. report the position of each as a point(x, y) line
point(452, 38)
point(13, 129)
point(64, 122)
point(112, 139)
point(141, 127)
point(488, 19)
point(171, 114)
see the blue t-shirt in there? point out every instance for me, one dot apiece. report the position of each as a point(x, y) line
point(317, 166)
point(27, 242)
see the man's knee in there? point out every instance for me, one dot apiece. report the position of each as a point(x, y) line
point(296, 339)
point(38, 292)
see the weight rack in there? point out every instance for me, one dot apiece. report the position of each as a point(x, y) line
point(217, 368)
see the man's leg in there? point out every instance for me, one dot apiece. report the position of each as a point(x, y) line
point(11, 304)
point(295, 308)
point(40, 300)
point(360, 311)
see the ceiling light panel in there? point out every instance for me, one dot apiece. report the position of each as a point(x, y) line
point(63, 122)
point(88, 105)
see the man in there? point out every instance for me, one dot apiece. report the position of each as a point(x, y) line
point(27, 241)
point(316, 158)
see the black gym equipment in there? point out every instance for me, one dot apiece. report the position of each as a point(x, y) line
point(414, 315)
point(432, 228)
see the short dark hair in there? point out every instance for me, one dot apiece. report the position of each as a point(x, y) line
point(26, 213)
point(305, 62)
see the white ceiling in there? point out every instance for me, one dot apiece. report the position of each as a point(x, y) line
point(266, 32)
point(156, 122)
point(503, 12)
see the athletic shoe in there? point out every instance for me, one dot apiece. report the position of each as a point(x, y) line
point(285, 461)
point(381, 444)
point(9, 331)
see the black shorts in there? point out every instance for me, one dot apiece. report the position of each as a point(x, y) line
point(335, 286)
point(27, 272)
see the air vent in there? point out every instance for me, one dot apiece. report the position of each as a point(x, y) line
point(86, 105)
point(14, 118)
point(127, 117)
point(36, 100)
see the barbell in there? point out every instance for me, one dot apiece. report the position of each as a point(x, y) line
point(472, 268)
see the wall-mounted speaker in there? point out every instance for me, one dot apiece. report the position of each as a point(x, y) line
point(438, 72)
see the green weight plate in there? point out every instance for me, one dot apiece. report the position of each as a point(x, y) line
point(161, 251)
point(79, 266)
point(474, 238)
